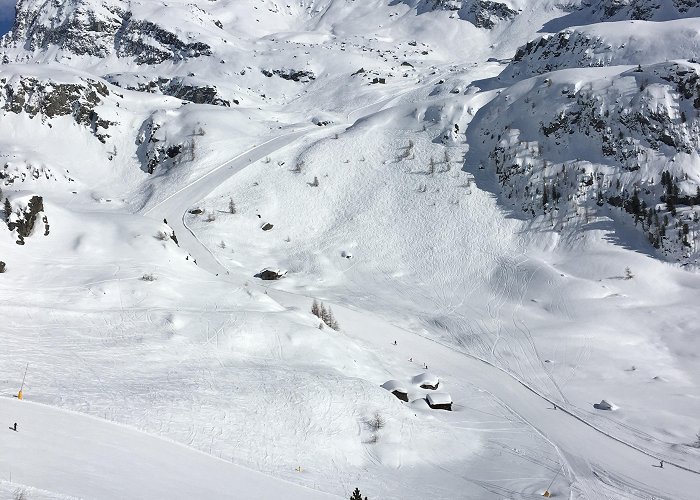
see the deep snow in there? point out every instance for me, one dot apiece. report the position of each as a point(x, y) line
point(163, 344)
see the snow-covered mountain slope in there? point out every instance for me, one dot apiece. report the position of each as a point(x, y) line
point(156, 157)
point(62, 454)
point(622, 141)
point(598, 11)
point(605, 44)
point(648, 10)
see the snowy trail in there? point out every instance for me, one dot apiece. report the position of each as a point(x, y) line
point(76, 455)
point(174, 207)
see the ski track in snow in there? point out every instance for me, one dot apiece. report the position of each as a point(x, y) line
point(506, 279)
point(235, 351)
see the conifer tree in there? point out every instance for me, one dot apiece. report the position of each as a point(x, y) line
point(323, 314)
point(331, 321)
point(356, 495)
point(8, 209)
point(231, 206)
point(545, 197)
point(315, 310)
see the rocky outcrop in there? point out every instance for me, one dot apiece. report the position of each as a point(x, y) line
point(605, 44)
point(481, 13)
point(569, 145)
point(98, 29)
point(49, 99)
point(295, 75)
point(156, 152)
point(183, 88)
point(647, 10)
point(24, 220)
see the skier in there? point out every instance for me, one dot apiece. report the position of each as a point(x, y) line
point(410, 360)
point(394, 342)
point(14, 427)
point(661, 465)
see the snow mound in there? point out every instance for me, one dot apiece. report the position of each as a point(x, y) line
point(426, 380)
point(394, 385)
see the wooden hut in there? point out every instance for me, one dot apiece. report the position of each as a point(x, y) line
point(439, 401)
point(397, 389)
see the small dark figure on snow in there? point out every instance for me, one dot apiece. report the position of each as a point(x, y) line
point(410, 360)
point(394, 342)
point(661, 465)
point(14, 427)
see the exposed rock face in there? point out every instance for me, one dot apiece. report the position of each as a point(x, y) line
point(155, 152)
point(181, 87)
point(624, 139)
point(24, 221)
point(97, 28)
point(481, 13)
point(614, 10)
point(48, 99)
point(295, 75)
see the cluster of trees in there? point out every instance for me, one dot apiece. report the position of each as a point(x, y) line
point(672, 196)
point(325, 315)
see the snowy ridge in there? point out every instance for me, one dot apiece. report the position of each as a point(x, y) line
point(481, 13)
point(606, 44)
point(648, 10)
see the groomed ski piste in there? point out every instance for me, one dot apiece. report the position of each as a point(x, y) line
point(161, 367)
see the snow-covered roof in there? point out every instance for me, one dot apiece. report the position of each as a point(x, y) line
point(425, 378)
point(439, 398)
point(394, 385)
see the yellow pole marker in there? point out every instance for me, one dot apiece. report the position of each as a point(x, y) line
point(19, 394)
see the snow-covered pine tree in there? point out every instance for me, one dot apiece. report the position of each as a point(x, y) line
point(315, 309)
point(231, 206)
point(323, 314)
point(330, 321)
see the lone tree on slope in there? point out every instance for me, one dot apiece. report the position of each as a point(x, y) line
point(356, 495)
